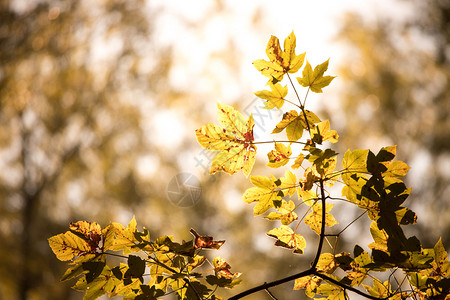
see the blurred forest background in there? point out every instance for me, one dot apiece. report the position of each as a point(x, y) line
point(99, 101)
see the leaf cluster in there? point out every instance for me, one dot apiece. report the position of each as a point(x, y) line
point(150, 268)
point(371, 182)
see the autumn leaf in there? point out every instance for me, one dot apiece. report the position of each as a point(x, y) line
point(205, 241)
point(274, 97)
point(315, 79)
point(265, 192)
point(67, 246)
point(285, 213)
point(233, 139)
point(222, 269)
point(298, 161)
point(326, 263)
point(124, 238)
point(287, 238)
point(280, 62)
point(308, 283)
point(322, 133)
point(294, 125)
point(289, 183)
point(314, 219)
point(280, 156)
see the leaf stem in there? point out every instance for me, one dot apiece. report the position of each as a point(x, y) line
point(302, 106)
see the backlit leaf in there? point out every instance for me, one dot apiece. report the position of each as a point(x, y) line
point(287, 238)
point(67, 245)
point(326, 263)
point(298, 161)
point(264, 193)
point(285, 213)
point(222, 269)
point(322, 133)
point(315, 79)
point(314, 219)
point(280, 156)
point(124, 238)
point(289, 183)
point(274, 97)
point(280, 62)
point(308, 283)
point(205, 241)
point(233, 140)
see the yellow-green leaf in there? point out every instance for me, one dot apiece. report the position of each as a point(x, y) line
point(315, 79)
point(274, 97)
point(233, 140)
point(294, 125)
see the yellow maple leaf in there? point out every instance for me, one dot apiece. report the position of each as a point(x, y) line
point(234, 140)
point(274, 97)
point(315, 79)
point(67, 246)
point(314, 219)
point(280, 62)
point(287, 238)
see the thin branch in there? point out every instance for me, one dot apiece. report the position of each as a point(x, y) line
point(295, 90)
point(352, 222)
point(347, 287)
point(271, 284)
point(322, 228)
point(270, 294)
point(269, 142)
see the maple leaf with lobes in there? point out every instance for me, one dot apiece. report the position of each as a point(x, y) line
point(234, 140)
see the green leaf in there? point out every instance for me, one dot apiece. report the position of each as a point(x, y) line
point(287, 238)
point(315, 79)
point(274, 97)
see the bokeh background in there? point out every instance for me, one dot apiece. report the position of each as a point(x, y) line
point(99, 101)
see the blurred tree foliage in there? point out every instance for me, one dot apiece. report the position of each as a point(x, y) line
point(71, 133)
point(400, 71)
point(81, 82)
